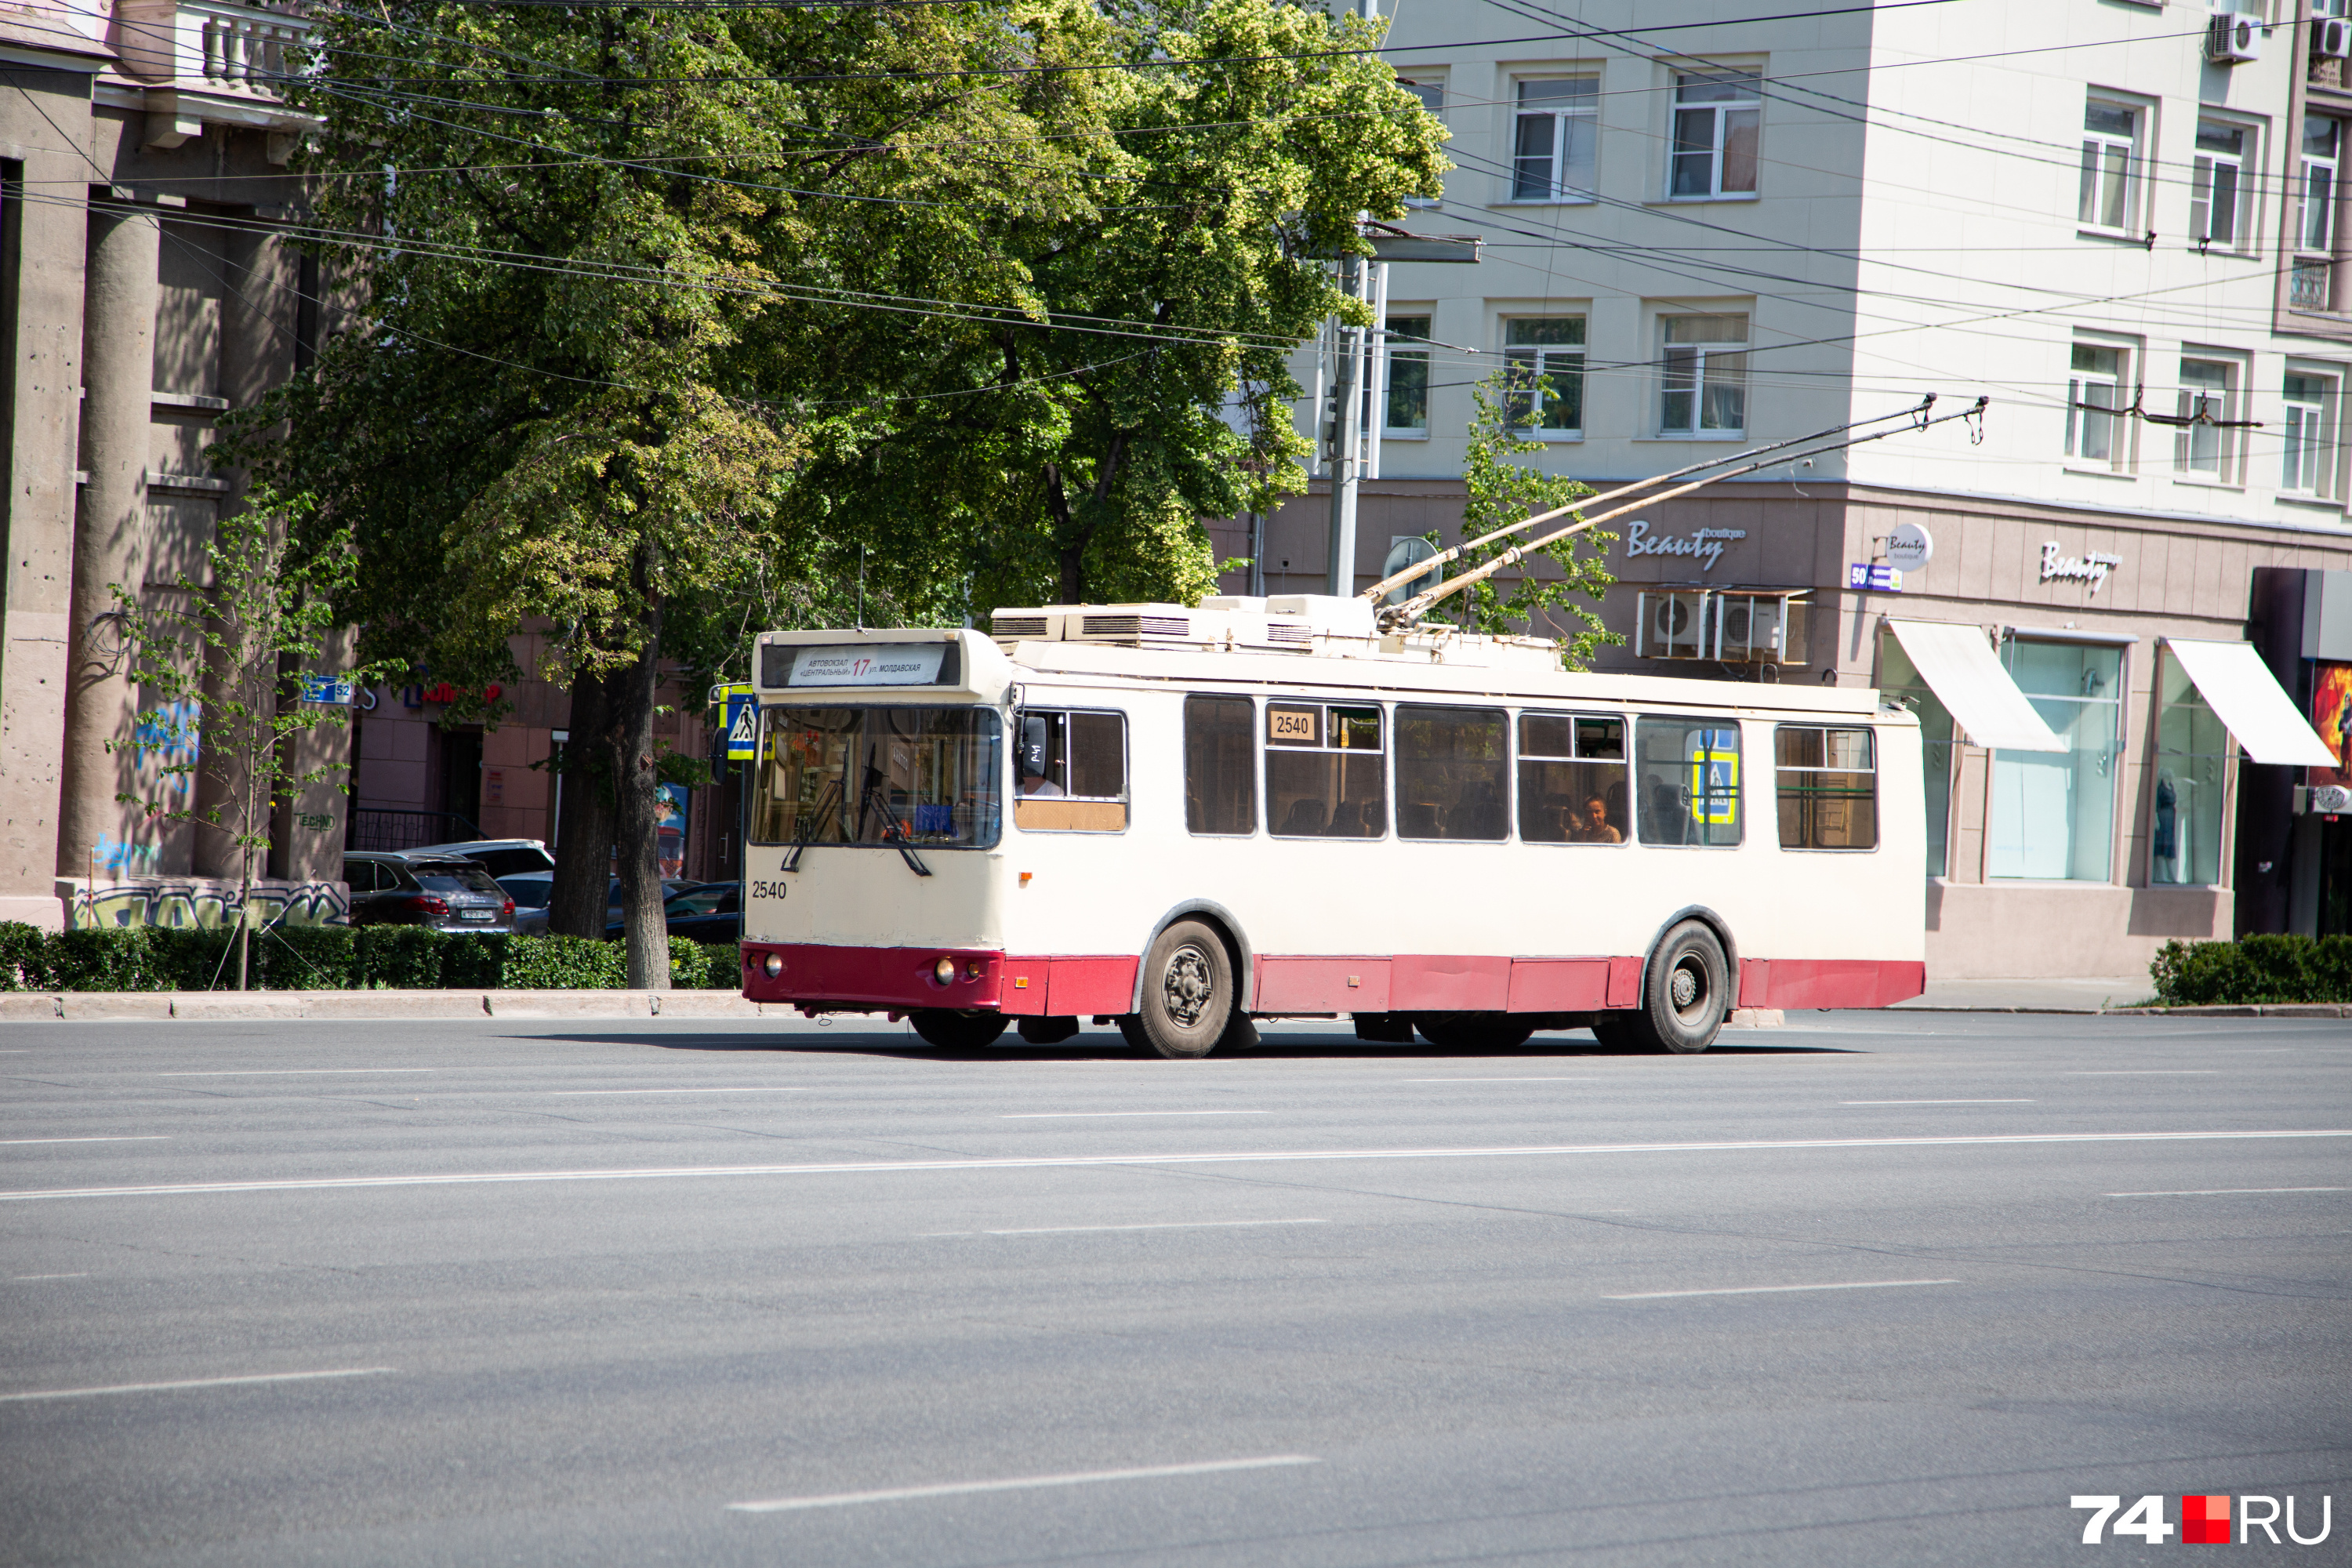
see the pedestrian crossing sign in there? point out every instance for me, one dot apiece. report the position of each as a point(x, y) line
point(743, 723)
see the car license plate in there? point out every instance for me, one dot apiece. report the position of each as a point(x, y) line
point(474, 914)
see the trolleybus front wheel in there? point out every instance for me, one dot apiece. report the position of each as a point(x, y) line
point(957, 1031)
point(1188, 994)
point(1685, 992)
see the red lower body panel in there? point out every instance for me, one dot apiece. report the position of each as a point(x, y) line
point(1828, 982)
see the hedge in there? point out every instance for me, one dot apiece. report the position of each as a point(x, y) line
point(2256, 969)
point(335, 958)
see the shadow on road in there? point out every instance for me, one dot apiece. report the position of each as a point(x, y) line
point(1107, 1046)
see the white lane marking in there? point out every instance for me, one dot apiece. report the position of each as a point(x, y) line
point(21, 1278)
point(1936, 1102)
point(114, 1138)
point(193, 1382)
point(1082, 1115)
point(2141, 1072)
point(1022, 1483)
point(1080, 1162)
point(1173, 1225)
point(740, 1089)
point(2226, 1192)
point(288, 1072)
point(1554, 1078)
point(1778, 1290)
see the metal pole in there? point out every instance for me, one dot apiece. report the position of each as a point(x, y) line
point(1347, 467)
point(1376, 413)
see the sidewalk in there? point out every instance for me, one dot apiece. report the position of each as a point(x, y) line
point(2071, 995)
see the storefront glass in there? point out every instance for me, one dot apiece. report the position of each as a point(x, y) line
point(2192, 751)
point(2054, 813)
point(1899, 679)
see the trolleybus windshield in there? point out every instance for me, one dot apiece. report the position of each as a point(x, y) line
point(894, 775)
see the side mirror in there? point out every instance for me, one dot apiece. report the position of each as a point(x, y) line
point(1032, 748)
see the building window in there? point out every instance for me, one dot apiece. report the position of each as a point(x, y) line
point(1453, 778)
point(2054, 813)
point(1408, 376)
point(2308, 452)
point(1689, 787)
point(2093, 392)
point(1718, 118)
point(1543, 357)
point(2314, 227)
point(1900, 680)
point(2192, 758)
point(1432, 98)
point(2110, 136)
point(2209, 394)
point(2217, 184)
point(1220, 765)
point(1070, 772)
point(1553, 152)
point(1827, 787)
point(1573, 779)
point(1703, 389)
point(1325, 775)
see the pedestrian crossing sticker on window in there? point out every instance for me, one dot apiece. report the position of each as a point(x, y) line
point(1715, 776)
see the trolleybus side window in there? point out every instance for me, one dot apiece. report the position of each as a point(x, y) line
point(1070, 772)
point(910, 775)
point(1221, 764)
point(1572, 786)
point(1453, 778)
point(1686, 785)
point(1828, 787)
point(1325, 775)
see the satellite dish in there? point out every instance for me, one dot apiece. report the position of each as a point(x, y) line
point(1405, 552)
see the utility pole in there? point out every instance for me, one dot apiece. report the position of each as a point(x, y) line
point(1347, 436)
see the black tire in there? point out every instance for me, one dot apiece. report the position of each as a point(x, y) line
point(1473, 1031)
point(1188, 994)
point(1686, 992)
point(1047, 1031)
point(957, 1031)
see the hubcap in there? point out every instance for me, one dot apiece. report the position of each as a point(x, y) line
point(1686, 985)
point(1188, 986)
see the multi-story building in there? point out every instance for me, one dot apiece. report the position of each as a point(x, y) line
point(2120, 222)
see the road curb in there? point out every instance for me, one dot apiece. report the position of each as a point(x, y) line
point(246, 1006)
point(2248, 1010)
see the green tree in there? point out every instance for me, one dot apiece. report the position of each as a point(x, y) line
point(1500, 492)
point(218, 670)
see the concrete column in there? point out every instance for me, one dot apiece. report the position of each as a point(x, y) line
point(119, 372)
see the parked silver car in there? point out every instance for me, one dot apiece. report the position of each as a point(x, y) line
point(501, 857)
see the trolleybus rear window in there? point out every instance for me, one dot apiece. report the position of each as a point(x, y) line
point(1572, 786)
point(1325, 775)
point(923, 777)
point(1070, 770)
point(1453, 777)
point(1221, 764)
point(1828, 788)
point(1688, 787)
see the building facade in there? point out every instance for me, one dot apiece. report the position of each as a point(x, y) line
point(1700, 234)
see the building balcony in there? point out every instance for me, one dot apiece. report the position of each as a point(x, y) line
point(212, 46)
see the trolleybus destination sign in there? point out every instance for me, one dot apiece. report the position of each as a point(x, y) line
point(888, 664)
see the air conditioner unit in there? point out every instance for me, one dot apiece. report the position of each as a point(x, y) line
point(1672, 624)
point(2233, 40)
point(2331, 37)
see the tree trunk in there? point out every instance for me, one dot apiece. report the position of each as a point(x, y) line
point(586, 831)
point(631, 723)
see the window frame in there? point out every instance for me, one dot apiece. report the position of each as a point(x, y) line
point(1125, 799)
point(1253, 771)
point(1521, 757)
point(2204, 166)
point(2229, 447)
point(2325, 464)
point(2322, 247)
point(2098, 145)
point(2119, 705)
point(1779, 787)
point(1424, 87)
point(1414, 351)
point(1697, 355)
point(1267, 749)
point(1584, 110)
point(1507, 766)
point(1749, 82)
point(2223, 810)
point(1739, 793)
point(2119, 427)
point(1536, 395)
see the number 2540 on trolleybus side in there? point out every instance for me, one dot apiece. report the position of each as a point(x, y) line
point(1183, 819)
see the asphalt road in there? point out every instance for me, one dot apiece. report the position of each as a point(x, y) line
point(1871, 1288)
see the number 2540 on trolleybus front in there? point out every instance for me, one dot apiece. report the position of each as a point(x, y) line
point(1181, 820)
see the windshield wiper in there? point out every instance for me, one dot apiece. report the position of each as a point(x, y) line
point(895, 831)
point(801, 838)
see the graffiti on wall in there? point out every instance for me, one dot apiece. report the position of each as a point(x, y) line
point(204, 901)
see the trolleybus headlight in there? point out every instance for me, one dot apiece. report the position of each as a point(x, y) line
point(774, 965)
point(944, 972)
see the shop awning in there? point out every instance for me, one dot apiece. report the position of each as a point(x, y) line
point(1957, 665)
point(2239, 687)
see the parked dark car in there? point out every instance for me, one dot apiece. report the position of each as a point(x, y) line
point(442, 891)
point(533, 890)
point(706, 911)
point(499, 857)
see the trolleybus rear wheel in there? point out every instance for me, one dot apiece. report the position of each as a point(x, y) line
point(1684, 992)
point(1473, 1032)
point(1188, 994)
point(957, 1031)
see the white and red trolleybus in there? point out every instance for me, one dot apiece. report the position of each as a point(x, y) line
point(1182, 819)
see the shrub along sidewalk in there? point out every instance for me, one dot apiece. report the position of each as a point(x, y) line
point(337, 958)
point(2257, 971)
